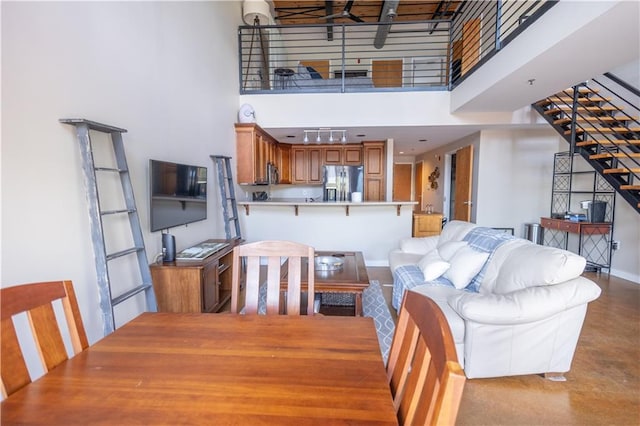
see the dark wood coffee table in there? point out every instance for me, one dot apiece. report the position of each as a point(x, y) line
point(351, 278)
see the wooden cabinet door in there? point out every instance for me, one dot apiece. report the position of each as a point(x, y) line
point(315, 165)
point(427, 225)
point(210, 286)
point(333, 155)
point(260, 164)
point(374, 170)
point(246, 154)
point(352, 155)
point(299, 165)
point(284, 162)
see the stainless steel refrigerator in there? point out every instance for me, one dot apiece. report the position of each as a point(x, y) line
point(340, 182)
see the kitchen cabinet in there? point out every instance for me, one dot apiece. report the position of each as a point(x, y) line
point(374, 170)
point(426, 224)
point(194, 285)
point(255, 148)
point(306, 165)
point(283, 162)
point(342, 155)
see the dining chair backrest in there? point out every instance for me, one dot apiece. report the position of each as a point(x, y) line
point(251, 255)
point(36, 301)
point(425, 377)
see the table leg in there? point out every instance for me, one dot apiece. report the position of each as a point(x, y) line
point(358, 297)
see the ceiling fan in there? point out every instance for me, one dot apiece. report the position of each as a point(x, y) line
point(346, 13)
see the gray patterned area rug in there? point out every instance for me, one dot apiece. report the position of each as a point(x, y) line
point(374, 305)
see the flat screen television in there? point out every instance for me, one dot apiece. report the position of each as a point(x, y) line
point(178, 194)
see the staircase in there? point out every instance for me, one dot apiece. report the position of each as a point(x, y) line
point(601, 125)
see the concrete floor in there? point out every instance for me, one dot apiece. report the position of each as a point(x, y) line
point(602, 388)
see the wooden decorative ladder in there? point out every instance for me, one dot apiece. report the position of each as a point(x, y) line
point(99, 217)
point(227, 197)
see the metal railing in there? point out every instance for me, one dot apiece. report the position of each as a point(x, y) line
point(419, 55)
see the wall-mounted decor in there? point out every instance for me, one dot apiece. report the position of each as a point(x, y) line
point(433, 178)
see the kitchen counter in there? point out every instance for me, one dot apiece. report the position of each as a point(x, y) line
point(312, 202)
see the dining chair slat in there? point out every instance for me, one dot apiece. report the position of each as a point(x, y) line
point(36, 300)
point(277, 301)
point(424, 375)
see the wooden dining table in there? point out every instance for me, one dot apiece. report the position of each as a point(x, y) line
point(170, 368)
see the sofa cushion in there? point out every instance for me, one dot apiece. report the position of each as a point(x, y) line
point(421, 245)
point(486, 240)
point(533, 265)
point(465, 264)
point(454, 231)
point(432, 265)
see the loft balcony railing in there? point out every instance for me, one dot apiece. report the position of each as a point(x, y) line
point(363, 57)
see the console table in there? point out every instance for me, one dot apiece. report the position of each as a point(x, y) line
point(195, 285)
point(593, 239)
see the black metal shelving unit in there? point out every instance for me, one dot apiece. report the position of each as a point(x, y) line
point(574, 181)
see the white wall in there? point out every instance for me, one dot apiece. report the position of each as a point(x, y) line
point(515, 174)
point(153, 68)
point(373, 230)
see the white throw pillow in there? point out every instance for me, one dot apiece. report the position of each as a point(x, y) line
point(465, 264)
point(420, 245)
point(447, 250)
point(432, 265)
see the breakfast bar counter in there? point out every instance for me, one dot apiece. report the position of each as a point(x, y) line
point(374, 228)
point(296, 203)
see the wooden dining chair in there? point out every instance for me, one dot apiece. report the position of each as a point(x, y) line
point(36, 300)
point(425, 377)
point(298, 257)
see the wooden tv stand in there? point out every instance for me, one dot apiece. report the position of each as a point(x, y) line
point(194, 285)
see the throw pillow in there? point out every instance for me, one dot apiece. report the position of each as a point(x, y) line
point(303, 72)
point(447, 250)
point(314, 74)
point(432, 265)
point(465, 264)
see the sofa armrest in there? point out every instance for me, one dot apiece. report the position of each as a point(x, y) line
point(526, 305)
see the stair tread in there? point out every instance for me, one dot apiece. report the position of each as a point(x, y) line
point(615, 155)
point(630, 187)
point(605, 130)
point(595, 120)
point(564, 108)
point(621, 171)
point(609, 142)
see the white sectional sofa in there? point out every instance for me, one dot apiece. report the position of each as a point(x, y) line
point(514, 307)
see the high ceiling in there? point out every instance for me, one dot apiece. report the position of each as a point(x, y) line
point(288, 12)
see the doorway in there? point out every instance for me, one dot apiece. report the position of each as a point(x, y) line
point(459, 183)
point(401, 182)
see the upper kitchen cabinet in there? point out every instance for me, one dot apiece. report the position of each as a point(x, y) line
point(343, 155)
point(306, 163)
point(256, 149)
point(283, 162)
point(374, 170)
